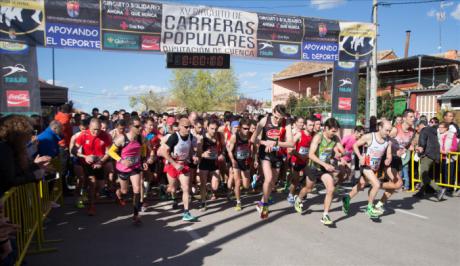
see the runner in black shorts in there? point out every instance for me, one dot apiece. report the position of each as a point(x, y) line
point(240, 156)
point(275, 136)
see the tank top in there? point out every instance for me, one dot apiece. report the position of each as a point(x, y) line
point(324, 151)
point(402, 139)
point(210, 145)
point(181, 151)
point(302, 147)
point(374, 153)
point(274, 133)
point(241, 150)
point(131, 152)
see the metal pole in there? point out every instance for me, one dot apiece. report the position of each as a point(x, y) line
point(373, 88)
point(420, 71)
point(367, 95)
point(52, 57)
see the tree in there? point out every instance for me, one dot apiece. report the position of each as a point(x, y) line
point(248, 104)
point(147, 101)
point(203, 91)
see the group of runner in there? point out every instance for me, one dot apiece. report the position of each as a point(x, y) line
point(192, 154)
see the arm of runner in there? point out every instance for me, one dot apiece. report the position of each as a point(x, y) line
point(293, 151)
point(362, 141)
point(289, 143)
point(388, 157)
point(258, 131)
point(394, 132)
point(231, 147)
point(113, 150)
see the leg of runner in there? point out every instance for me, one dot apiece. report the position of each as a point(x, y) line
point(231, 182)
point(237, 187)
point(172, 188)
point(328, 182)
point(122, 191)
point(92, 195)
point(203, 190)
point(390, 187)
point(80, 188)
point(136, 183)
point(298, 201)
point(375, 183)
point(360, 185)
point(215, 179)
point(295, 176)
point(184, 182)
point(270, 176)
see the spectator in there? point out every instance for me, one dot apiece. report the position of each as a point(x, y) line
point(48, 140)
point(434, 122)
point(447, 143)
point(95, 112)
point(428, 150)
point(449, 118)
point(64, 116)
point(15, 167)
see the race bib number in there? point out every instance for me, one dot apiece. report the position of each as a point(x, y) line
point(304, 151)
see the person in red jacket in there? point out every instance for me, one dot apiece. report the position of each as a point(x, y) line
point(64, 116)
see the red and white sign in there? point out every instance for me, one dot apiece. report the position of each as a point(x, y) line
point(344, 104)
point(18, 98)
point(150, 43)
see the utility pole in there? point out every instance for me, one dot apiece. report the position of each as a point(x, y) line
point(373, 89)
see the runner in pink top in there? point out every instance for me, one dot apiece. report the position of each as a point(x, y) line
point(348, 142)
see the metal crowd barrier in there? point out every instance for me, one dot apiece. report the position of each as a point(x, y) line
point(452, 172)
point(28, 205)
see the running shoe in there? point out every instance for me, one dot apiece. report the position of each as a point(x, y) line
point(92, 210)
point(202, 206)
point(298, 205)
point(79, 204)
point(262, 208)
point(346, 204)
point(326, 220)
point(144, 207)
point(372, 212)
point(287, 184)
point(440, 194)
point(290, 199)
point(136, 219)
point(187, 216)
point(175, 205)
point(254, 181)
point(238, 207)
point(379, 208)
point(121, 202)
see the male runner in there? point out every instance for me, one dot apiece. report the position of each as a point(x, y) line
point(320, 166)
point(377, 146)
point(275, 136)
point(177, 152)
point(240, 155)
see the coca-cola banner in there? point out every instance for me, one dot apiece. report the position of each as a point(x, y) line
point(345, 93)
point(19, 88)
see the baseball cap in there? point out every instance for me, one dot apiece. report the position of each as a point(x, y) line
point(235, 123)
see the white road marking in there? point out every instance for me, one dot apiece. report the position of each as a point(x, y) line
point(70, 213)
point(194, 235)
point(63, 223)
point(412, 214)
point(80, 228)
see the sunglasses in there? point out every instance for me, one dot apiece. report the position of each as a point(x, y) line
point(187, 127)
point(245, 128)
point(137, 126)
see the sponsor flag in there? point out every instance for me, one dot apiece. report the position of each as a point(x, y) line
point(22, 20)
point(356, 41)
point(345, 93)
point(320, 41)
point(73, 24)
point(19, 87)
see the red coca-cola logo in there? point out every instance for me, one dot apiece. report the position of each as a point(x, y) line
point(18, 98)
point(273, 133)
point(344, 104)
point(151, 43)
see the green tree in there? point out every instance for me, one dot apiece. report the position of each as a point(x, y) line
point(385, 106)
point(147, 101)
point(202, 91)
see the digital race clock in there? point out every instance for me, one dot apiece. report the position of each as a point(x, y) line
point(197, 60)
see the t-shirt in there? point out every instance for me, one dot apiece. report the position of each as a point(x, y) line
point(94, 145)
point(348, 142)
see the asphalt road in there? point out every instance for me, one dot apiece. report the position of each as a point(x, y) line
point(411, 232)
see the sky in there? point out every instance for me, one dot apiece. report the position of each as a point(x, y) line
point(106, 79)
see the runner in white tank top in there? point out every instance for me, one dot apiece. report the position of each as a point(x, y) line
point(377, 145)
